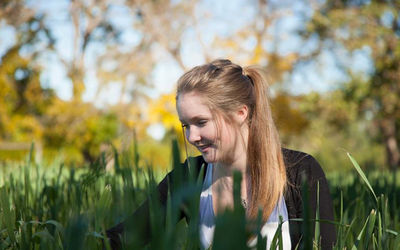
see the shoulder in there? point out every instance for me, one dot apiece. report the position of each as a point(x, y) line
point(197, 162)
point(180, 176)
point(298, 164)
point(181, 173)
point(303, 168)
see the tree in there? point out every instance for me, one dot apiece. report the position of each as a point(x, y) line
point(22, 98)
point(76, 130)
point(161, 26)
point(90, 23)
point(370, 26)
point(30, 112)
point(288, 117)
point(290, 120)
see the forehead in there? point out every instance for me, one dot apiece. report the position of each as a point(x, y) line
point(192, 105)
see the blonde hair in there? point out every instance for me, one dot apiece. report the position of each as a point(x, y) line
point(226, 86)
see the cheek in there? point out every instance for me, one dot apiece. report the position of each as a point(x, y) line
point(228, 136)
point(212, 134)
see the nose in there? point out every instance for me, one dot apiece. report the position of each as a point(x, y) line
point(193, 135)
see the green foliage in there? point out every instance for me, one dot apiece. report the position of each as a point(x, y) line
point(29, 112)
point(60, 208)
point(334, 128)
point(22, 99)
point(79, 129)
point(289, 118)
point(372, 27)
point(363, 117)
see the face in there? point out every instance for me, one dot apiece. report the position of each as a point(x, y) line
point(201, 128)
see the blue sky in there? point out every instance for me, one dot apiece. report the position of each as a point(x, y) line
point(223, 19)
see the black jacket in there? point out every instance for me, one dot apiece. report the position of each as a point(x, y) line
point(299, 166)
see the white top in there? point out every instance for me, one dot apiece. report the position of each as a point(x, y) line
point(207, 218)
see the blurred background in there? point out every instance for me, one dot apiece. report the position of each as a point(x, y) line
point(80, 77)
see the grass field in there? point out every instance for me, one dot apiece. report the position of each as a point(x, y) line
point(58, 207)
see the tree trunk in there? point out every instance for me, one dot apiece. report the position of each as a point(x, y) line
point(78, 85)
point(388, 128)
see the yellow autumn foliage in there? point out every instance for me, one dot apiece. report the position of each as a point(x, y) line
point(163, 110)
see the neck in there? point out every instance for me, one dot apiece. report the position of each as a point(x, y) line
point(239, 160)
point(227, 169)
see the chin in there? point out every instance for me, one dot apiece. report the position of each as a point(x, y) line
point(209, 159)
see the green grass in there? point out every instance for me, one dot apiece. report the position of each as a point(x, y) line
point(59, 207)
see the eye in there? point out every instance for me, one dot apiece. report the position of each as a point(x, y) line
point(185, 126)
point(202, 123)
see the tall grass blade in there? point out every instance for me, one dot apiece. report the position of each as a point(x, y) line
point(370, 228)
point(230, 226)
point(306, 225)
point(75, 233)
point(277, 240)
point(8, 217)
point(379, 239)
point(360, 235)
point(361, 173)
point(261, 241)
point(340, 235)
point(317, 223)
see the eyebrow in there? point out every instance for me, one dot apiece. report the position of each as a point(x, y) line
point(195, 118)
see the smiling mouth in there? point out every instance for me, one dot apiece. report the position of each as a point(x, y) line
point(204, 147)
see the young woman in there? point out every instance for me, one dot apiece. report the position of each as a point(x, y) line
point(226, 115)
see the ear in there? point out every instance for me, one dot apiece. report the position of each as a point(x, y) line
point(241, 114)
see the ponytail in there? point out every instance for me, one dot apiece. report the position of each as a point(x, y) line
point(264, 155)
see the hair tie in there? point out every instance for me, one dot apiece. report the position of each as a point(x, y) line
point(251, 80)
point(245, 73)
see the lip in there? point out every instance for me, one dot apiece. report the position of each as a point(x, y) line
point(204, 148)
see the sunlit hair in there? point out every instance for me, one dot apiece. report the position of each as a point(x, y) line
point(226, 87)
